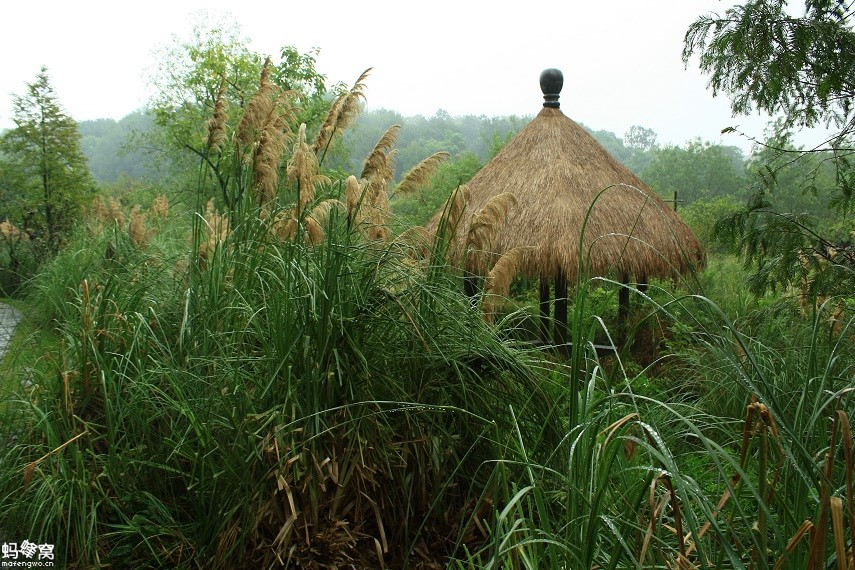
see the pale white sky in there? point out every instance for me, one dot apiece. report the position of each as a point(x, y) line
point(620, 59)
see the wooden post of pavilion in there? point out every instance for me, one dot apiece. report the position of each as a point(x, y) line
point(551, 82)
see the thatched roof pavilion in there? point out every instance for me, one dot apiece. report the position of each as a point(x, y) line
point(563, 181)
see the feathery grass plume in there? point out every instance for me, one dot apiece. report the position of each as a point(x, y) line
point(499, 280)
point(11, 232)
point(342, 113)
point(284, 225)
point(258, 109)
point(136, 227)
point(376, 175)
point(379, 209)
point(314, 231)
point(377, 162)
point(98, 210)
point(270, 146)
point(420, 174)
point(217, 123)
point(217, 230)
point(483, 231)
point(265, 125)
point(416, 240)
point(160, 207)
point(303, 169)
point(114, 213)
point(454, 208)
point(266, 158)
point(353, 191)
point(321, 212)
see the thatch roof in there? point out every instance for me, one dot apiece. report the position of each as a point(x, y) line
point(557, 172)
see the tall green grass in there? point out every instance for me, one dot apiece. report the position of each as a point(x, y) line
point(286, 400)
point(260, 401)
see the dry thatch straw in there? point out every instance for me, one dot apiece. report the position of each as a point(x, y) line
point(217, 123)
point(558, 172)
point(420, 174)
point(341, 115)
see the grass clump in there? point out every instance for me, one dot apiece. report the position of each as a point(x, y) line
point(279, 380)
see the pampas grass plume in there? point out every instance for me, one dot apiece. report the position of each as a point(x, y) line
point(341, 115)
point(377, 162)
point(136, 227)
point(420, 174)
point(160, 207)
point(217, 122)
point(483, 230)
point(499, 281)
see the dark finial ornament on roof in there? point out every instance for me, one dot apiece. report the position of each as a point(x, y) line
point(551, 82)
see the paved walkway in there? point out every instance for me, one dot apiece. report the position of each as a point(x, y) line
point(9, 319)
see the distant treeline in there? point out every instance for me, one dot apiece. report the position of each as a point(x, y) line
point(712, 175)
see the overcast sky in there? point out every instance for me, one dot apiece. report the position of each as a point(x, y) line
point(620, 58)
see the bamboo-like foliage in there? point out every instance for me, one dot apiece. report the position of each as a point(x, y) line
point(419, 175)
point(341, 114)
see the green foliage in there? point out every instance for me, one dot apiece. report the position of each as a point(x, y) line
point(801, 68)
point(386, 380)
point(113, 150)
point(640, 138)
point(700, 170)
point(764, 58)
point(188, 84)
point(416, 209)
point(51, 177)
point(702, 215)
point(420, 136)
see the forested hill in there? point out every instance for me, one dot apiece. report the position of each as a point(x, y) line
point(112, 152)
